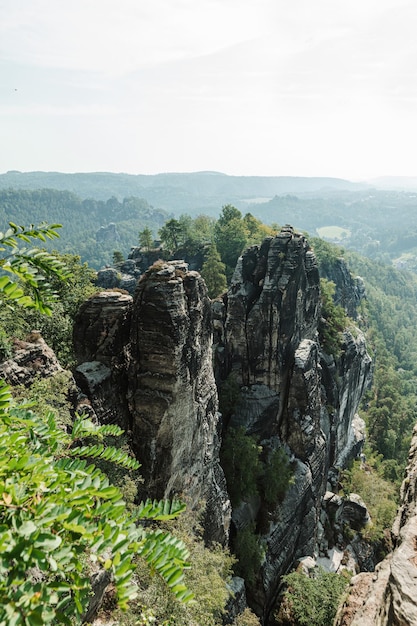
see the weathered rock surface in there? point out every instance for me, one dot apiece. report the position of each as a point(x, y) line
point(102, 327)
point(172, 391)
point(32, 358)
point(147, 363)
point(349, 290)
point(292, 394)
point(354, 377)
point(101, 338)
point(156, 350)
point(389, 596)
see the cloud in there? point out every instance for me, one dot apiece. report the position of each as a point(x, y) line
point(117, 37)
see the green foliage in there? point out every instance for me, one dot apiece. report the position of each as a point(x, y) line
point(30, 267)
point(233, 233)
point(207, 579)
point(146, 238)
point(249, 552)
point(313, 601)
point(83, 220)
point(247, 475)
point(229, 396)
point(379, 494)
point(230, 236)
point(117, 257)
point(59, 516)
point(333, 319)
point(327, 254)
point(213, 272)
point(172, 234)
point(240, 458)
point(247, 618)
point(6, 346)
point(257, 231)
point(388, 317)
point(49, 394)
point(56, 328)
point(278, 475)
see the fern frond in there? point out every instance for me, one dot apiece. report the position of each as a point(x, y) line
point(5, 395)
point(13, 293)
point(44, 262)
point(160, 510)
point(42, 232)
point(99, 451)
point(84, 427)
point(168, 556)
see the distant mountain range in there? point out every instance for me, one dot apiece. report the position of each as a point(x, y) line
point(377, 218)
point(188, 192)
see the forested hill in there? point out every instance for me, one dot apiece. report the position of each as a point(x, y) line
point(191, 192)
point(93, 229)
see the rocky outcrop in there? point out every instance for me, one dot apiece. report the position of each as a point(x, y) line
point(107, 233)
point(349, 290)
point(31, 359)
point(172, 391)
point(157, 349)
point(101, 339)
point(147, 363)
point(293, 396)
point(387, 597)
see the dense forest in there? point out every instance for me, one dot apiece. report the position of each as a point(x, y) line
point(99, 215)
point(92, 229)
point(388, 316)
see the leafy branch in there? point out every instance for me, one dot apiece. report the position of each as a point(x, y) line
point(60, 518)
point(29, 267)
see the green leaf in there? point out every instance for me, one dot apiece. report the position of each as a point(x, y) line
point(48, 542)
point(27, 529)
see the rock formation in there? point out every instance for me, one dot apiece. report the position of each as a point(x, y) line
point(31, 358)
point(172, 392)
point(148, 362)
point(292, 394)
point(387, 597)
point(101, 337)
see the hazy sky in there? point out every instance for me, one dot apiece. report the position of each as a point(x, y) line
point(253, 87)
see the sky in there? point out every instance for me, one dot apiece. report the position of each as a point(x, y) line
point(272, 87)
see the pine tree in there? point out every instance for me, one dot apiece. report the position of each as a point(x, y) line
point(146, 238)
point(213, 272)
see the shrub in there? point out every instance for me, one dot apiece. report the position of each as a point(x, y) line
point(229, 396)
point(247, 618)
point(249, 552)
point(240, 457)
point(333, 319)
point(313, 601)
point(277, 477)
point(379, 495)
point(207, 579)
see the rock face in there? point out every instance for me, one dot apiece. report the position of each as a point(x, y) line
point(293, 396)
point(388, 596)
point(101, 338)
point(172, 391)
point(349, 290)
point(31, 359)
point(147, 363)
point(150, 358)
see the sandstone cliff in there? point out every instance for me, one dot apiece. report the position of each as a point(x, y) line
point(172, 392)
point(293, 396)
point(147, 362)
point(388, 596)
